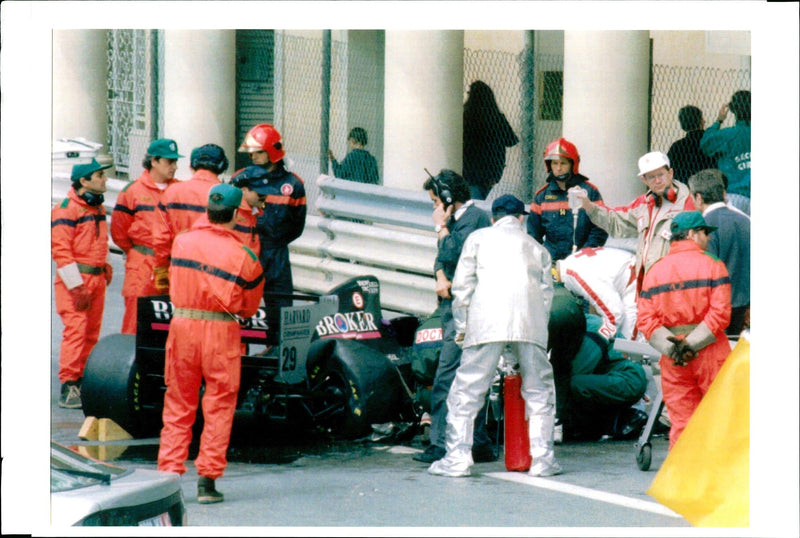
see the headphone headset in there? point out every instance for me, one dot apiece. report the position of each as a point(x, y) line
point(670, 194)
point(92, 199)
point(441, 189)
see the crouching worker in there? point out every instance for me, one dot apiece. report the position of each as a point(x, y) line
point(598, 391)
point(605, 389)
point(502, 291)
point(212, 277)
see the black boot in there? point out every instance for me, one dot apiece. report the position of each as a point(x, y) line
point(206, 493)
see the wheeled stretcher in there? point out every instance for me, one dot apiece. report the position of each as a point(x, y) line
point(647, 355)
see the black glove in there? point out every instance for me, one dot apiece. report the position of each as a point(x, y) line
point(681, 351)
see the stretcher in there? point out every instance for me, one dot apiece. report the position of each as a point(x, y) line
point(646, 355)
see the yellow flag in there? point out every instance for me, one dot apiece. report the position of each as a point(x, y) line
point(706, 475)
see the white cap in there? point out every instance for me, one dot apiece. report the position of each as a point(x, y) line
point(652, 161)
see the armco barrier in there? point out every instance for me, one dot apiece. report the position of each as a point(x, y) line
point(369, 229)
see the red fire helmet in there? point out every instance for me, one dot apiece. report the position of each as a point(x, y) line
point(264, 137)
point(562, 148)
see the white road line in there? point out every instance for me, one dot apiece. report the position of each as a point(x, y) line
point(594, 494)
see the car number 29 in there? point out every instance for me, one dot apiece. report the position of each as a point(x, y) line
point(289, 359)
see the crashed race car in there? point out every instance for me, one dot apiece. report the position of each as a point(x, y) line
point(335, 366)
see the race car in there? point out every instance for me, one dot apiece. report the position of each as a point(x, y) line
point(336, 366)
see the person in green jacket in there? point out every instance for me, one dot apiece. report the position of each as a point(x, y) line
point(731, 146)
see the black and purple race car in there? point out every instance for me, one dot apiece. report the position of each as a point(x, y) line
point(332, 364)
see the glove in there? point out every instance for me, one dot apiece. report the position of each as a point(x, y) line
point(81, 298)
point(681, 352)
point(161, 279)
point(109, 273)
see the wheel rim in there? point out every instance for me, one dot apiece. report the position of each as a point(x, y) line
point(329, 403)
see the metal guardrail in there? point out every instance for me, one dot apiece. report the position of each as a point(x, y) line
point(349, 199)
point(369, 229)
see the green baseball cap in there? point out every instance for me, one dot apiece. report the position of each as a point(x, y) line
point(225, 195)
point(164, 147)
point(690, 220)
point(86, 170)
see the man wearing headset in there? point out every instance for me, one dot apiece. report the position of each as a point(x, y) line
point(647, 217)
point(79, 245)
point(455, 217)
point(184, 203)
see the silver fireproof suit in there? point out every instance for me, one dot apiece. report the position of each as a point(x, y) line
point(502, 292)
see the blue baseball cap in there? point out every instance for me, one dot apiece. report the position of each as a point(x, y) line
point(254, 177)
point(86, 170)
point(225, 195)
point(508, 204)
point(164, 147)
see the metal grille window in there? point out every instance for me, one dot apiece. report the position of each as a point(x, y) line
point(130, 113)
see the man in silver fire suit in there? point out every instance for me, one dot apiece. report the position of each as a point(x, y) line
point(502, 292)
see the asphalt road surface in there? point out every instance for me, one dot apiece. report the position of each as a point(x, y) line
point(296, 482)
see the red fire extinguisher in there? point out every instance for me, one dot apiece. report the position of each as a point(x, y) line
point(517, 444)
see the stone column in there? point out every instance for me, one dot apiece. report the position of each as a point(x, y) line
point(423, 104)
point(606, 91)
point(200, 92)
point(79, 85)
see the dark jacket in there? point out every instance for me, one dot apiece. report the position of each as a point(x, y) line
point(686, 158)
point(284, 215)
point(358, 165)
point(450, 246)
point(730, 242)
point(485, 142)
point(551, 223)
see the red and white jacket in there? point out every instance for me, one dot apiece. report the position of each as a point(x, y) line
point(605, 277)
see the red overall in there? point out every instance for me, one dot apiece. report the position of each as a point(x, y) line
point(181, 205)
point(132, 223)
point(686, 287)
point(79, 234)
point(211, 273)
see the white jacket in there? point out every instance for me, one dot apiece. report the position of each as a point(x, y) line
point(503, 287)
point(605, 277)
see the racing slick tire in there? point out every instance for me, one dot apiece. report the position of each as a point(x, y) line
point(111, 384)
point(352, 387)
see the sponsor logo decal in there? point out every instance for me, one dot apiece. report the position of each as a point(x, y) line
point(358, 300)
point(428, 335)
point(370, 287)
point(358, 325)
point(162, 313)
